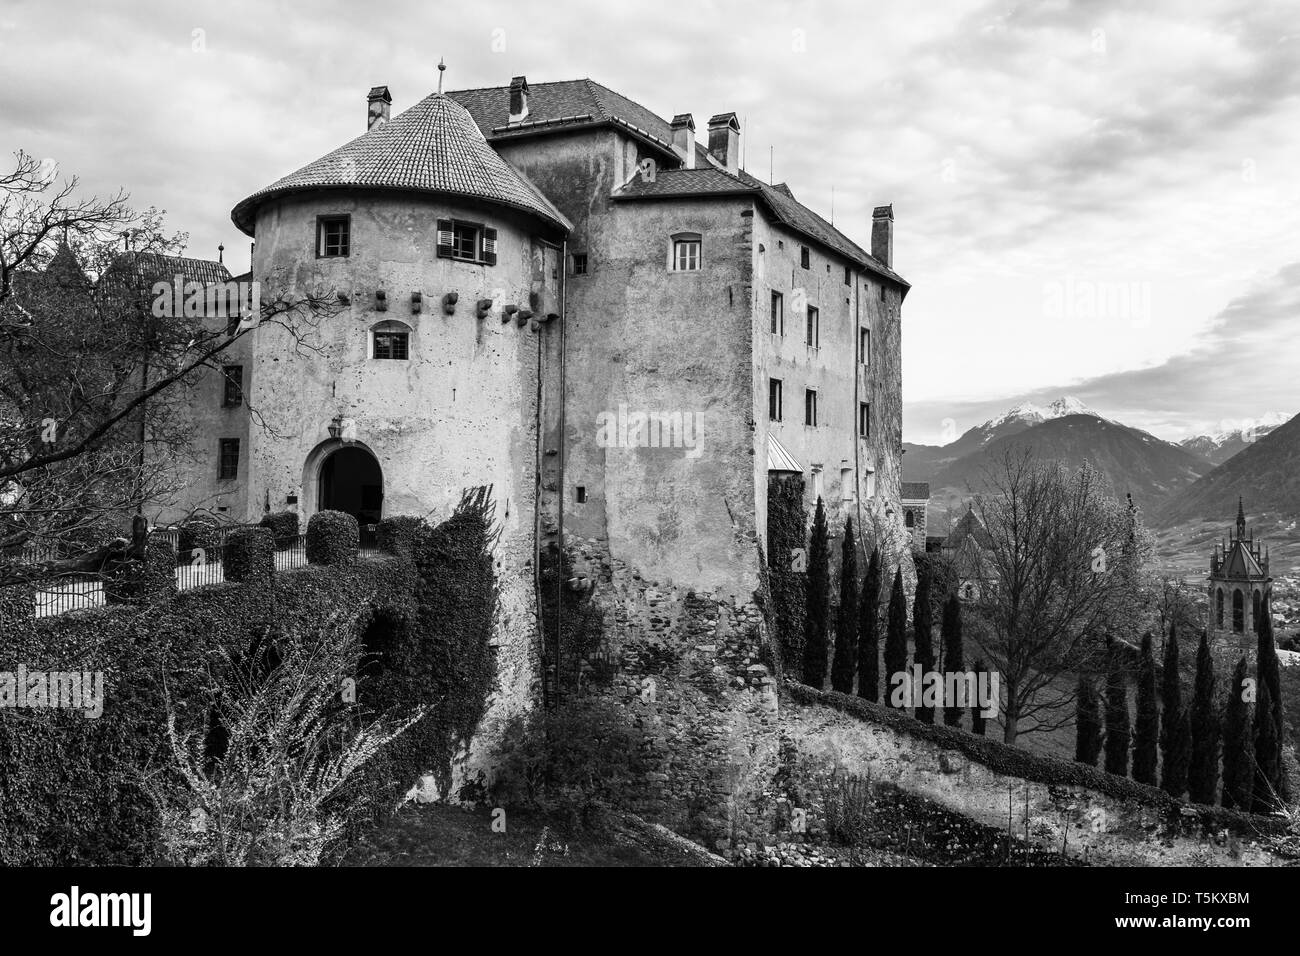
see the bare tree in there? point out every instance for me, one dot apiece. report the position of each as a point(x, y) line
point(1060, 565)
point(95, 369)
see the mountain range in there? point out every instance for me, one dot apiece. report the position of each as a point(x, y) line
point(1169, 481)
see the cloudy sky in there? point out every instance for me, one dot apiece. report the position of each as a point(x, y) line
point(1096, 199)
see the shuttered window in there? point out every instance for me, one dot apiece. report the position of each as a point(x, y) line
point(467, 241)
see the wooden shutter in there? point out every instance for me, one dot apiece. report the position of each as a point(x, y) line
point(446, 238)
point(490, 246)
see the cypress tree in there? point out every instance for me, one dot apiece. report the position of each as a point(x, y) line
point(923, 634)
point(1175, 727)
point(846, 622)
point(1268, 671)
point(1146, 732)
point(816, 614)
point(868, 632)
point(1117, 723)
point(1087, 741)
point(950, 630)
point(977, 718)
point(896, 635)
point(1203, 773)
point(1266, 796)
point(1238, 744)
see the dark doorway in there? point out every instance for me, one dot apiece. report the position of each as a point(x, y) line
point(351, 481)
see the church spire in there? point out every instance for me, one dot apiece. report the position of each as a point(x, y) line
point(1241, 519)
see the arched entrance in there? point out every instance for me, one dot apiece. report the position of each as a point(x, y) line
point(351, 480)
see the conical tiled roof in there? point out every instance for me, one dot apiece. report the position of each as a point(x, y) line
point(435, 146)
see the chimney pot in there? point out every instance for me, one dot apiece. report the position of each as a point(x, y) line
point(683, 126)
point(378, 104)
point(882, 234)
point(724, 141)
point(518, 99)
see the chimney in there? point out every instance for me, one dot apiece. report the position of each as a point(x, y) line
point(724, 141)
point(882, 234)
point(518, 99)
point(378, 103)
point(683, 126)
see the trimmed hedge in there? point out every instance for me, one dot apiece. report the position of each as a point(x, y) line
point(332, 538)
point(399, 534)
point(283, 526)
point(250, 555)
point(73, 790)
point(150, 579)
point(197, 533)
point(1014, 762)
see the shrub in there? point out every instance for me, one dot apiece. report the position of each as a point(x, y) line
point(151, 578)
point(573, 759)
point(200, 532)
point(399, 534)
point(817, 609)
point(849, 806)
point(291, 743)
point(846, 622)
point(786, 533)
point(250, 554)
point(332, 538)
point(284, 528)
point(868, 631)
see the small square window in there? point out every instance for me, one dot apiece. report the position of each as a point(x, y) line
point(804, 258)
point(333, 236)
point(581, 494)
point(392, 345)
point(686, 255)
point(810, 407)
point(579, 263)
point(774, 399)
point(464, 241)
point(233, 390)
point(778, 314)
point(228, 459)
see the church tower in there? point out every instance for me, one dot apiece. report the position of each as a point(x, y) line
point(1239, 584)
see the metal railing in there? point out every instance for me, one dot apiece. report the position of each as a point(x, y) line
point(193, 568)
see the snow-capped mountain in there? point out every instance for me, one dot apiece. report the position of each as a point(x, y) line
point(1233, 437)
point(1032, 414)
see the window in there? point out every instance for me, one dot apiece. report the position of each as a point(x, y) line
point(804, 258)
point(1238, 612)
point(882, 292)
point(467, 241)
point(333, 236)
point(579, 263)
point(847, 491)
point(228, 459)
point(686, 253)
point(774, 399)
point(814, 327)
point(848, 279)
point(581, 494)
point(864, 420)
point(1218, 607)
point(810, 407)
point(233, 393)
point(909, 519)
point(864, 346)
point(391, 340)
point(778, 314)
point(818, 487)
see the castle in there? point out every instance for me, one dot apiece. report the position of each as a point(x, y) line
point(549, 289)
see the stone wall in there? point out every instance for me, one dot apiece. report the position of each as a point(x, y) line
point(1056, 805)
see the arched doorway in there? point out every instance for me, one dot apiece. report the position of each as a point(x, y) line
point(351, 480)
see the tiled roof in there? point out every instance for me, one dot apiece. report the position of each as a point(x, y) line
point(913, 490)
point(585, 102)
point(151, 267)
point(969, 527)
point(562, 103)
point(708, 180)
point(435, 146)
